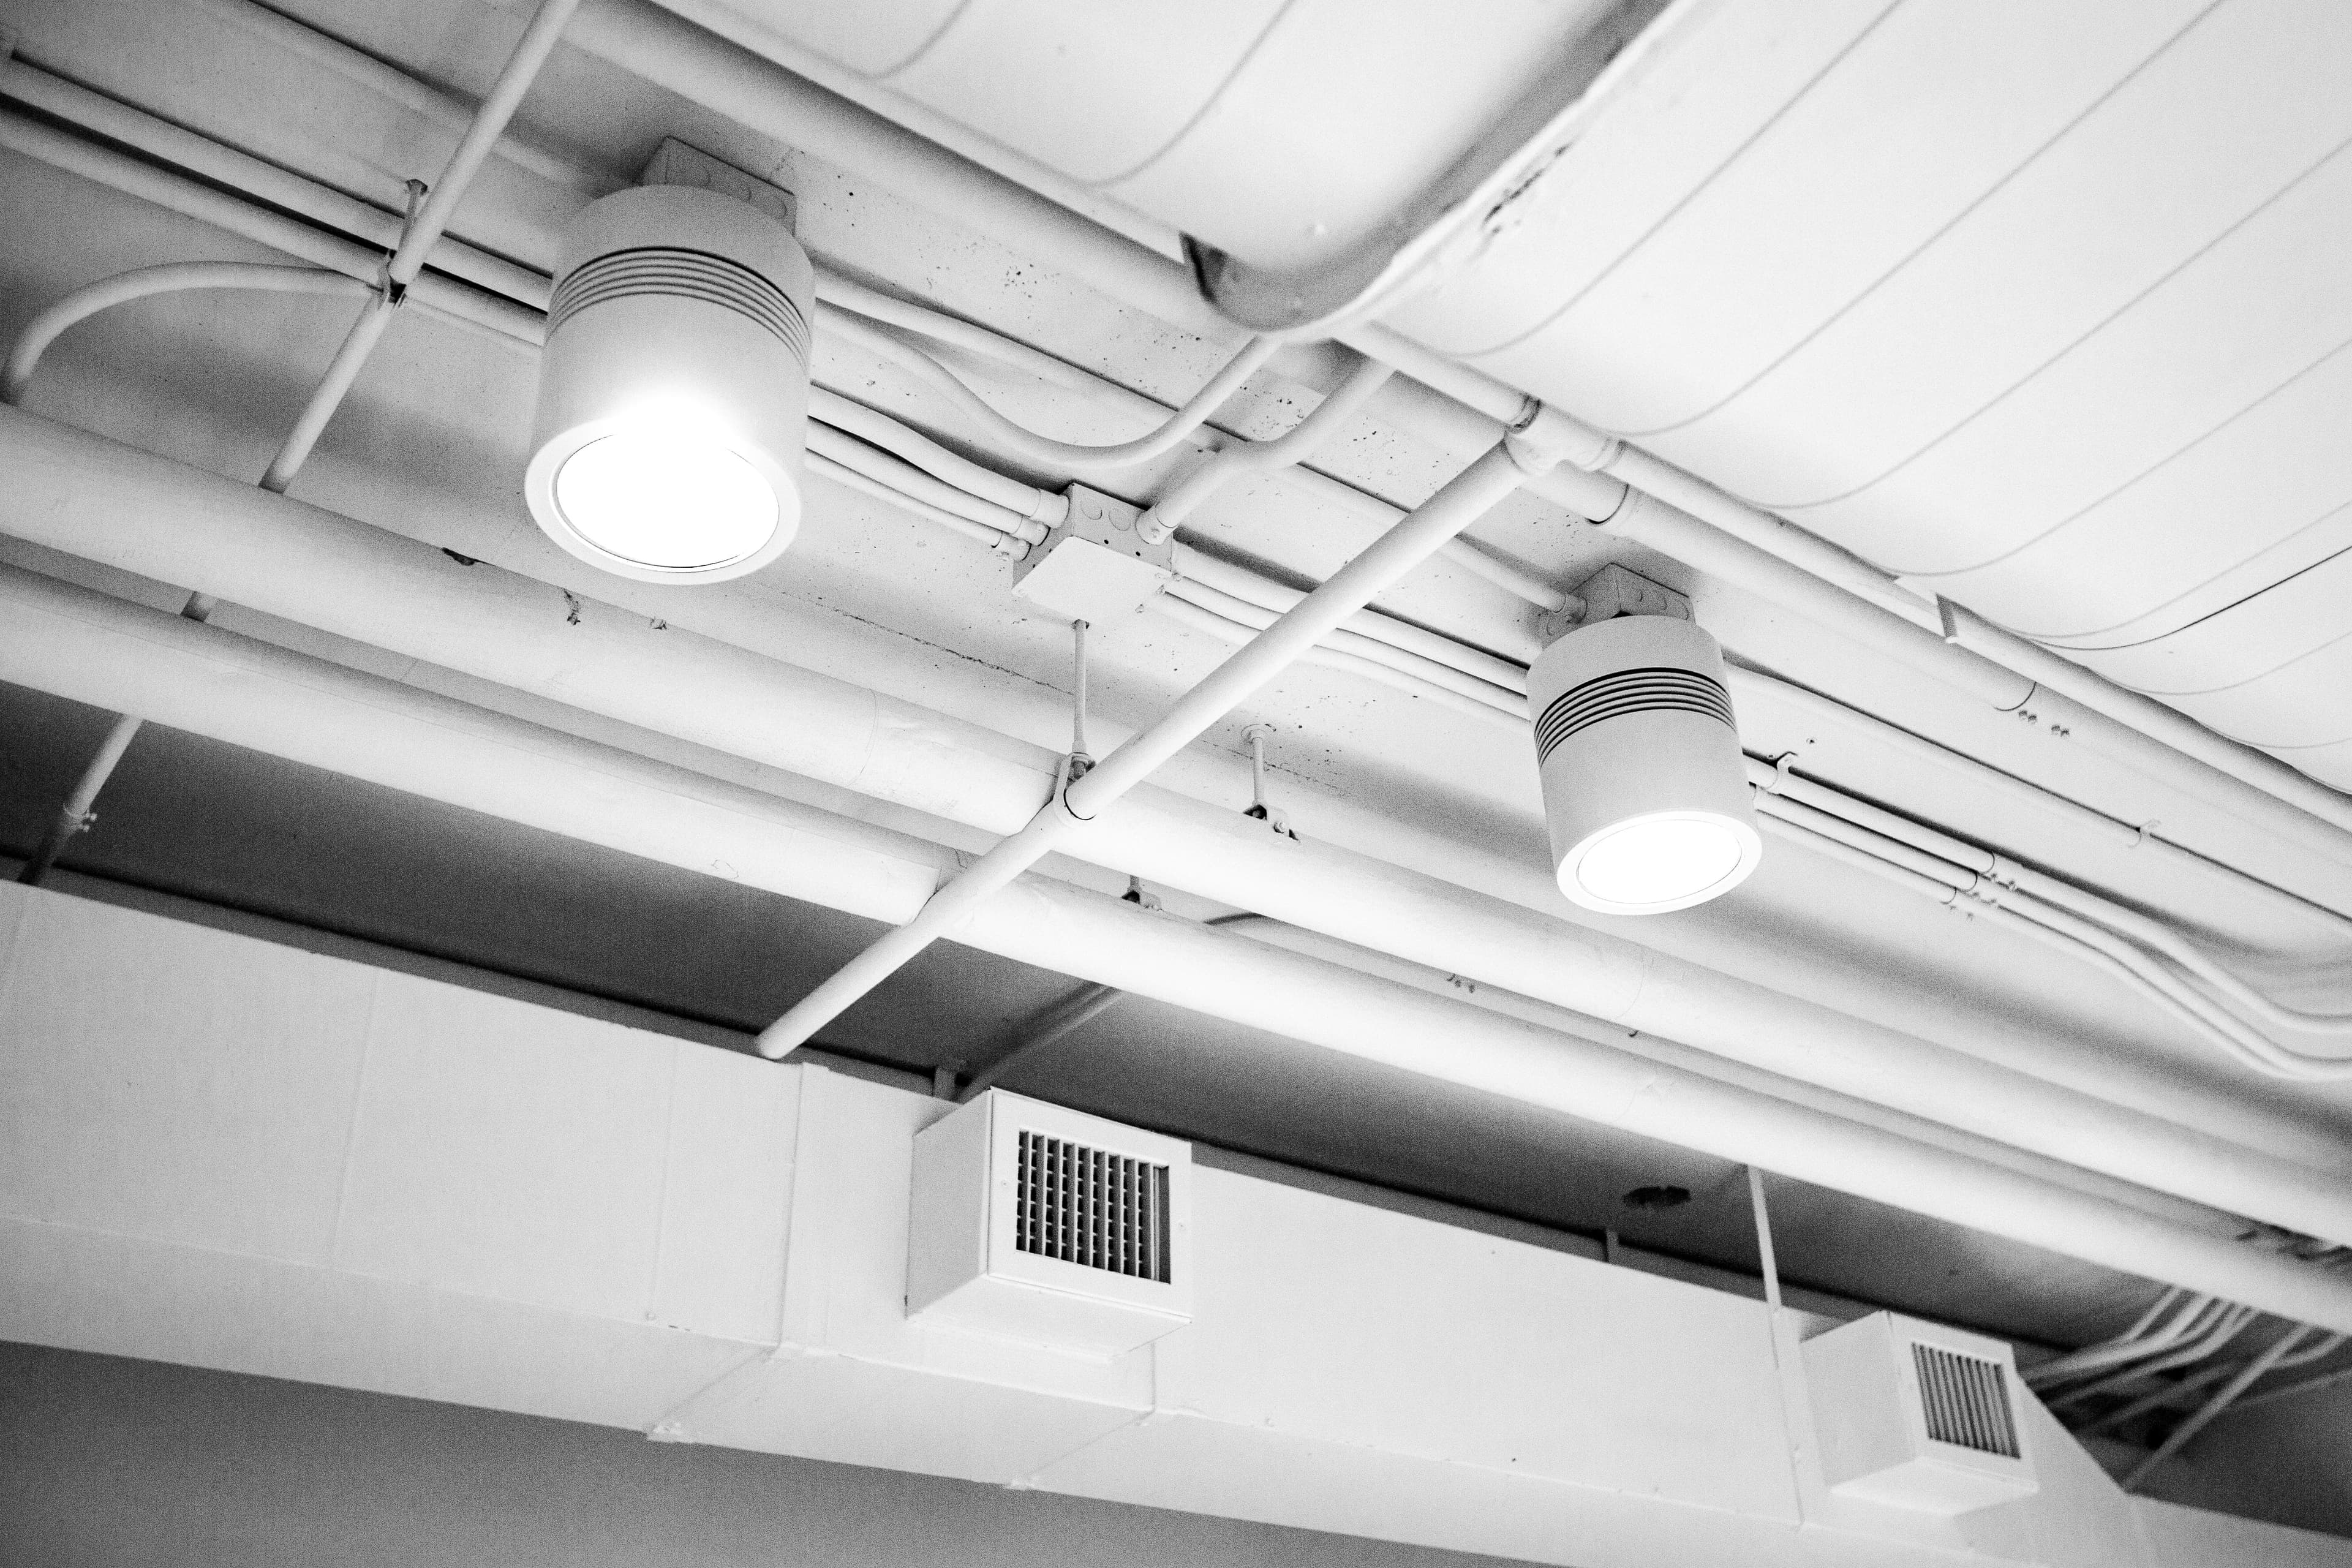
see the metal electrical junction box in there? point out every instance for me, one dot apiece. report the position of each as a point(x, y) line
point(1094, 565)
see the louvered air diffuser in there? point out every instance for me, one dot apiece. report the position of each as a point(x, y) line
point(1037, 1224)
point(1917, 1415)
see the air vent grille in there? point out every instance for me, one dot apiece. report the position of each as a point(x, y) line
point(1623, 691)
point(685, 274)
point(1965, 1401)
point(1091, 1208)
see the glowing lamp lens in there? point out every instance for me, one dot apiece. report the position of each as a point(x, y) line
point(665, 499)
point(1661, 860)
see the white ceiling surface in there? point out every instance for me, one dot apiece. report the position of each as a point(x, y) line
point(434, 438)
point(1158, 106)
point(2042, 305)
point(2038, 305)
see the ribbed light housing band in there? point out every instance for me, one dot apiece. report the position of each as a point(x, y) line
point(685, 274)
point(1650, 689)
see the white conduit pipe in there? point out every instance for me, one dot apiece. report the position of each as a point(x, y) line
point(1912, 854)
point(225, 166)
point(421, 233)
point(855, 299)
point(1243, 583)
point(1042, 507)
point(2254, 1371)
point(1185, 613)
point(444, 296)
point(154, 135)
point(2198, 1008)
point(836, 293)
point(25, 355)
point(2205, 1378)
point(91, 648)
point(1076, 802)
point(1064, 456)
point(355, 65)
point(2113, 723)
point(1676, 511)
point(866, 484)
point(2081, 923)
point(1205, 480)
point(2146, 716)
point(906, 478)
point(1672, 1053)
point(1718, 534)
point(2078, 817)
point(2295, 1389)
point(1425, 672)
point(2213, 1330)
point(2170, 943)
point(418, 236)
point(2123, 1346)
point(85, 495)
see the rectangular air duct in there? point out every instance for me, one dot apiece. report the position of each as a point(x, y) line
point(1040, 1224)
point(1917, 1415)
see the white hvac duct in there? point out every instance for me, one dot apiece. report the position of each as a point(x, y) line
point(86, 495)
point(96, 649)
point(673, 392)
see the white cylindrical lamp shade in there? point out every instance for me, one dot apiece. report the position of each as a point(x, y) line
point(673, 392)
point(1645, 792)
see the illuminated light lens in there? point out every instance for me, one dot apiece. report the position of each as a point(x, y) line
point(665, 499)
point(1660, 860)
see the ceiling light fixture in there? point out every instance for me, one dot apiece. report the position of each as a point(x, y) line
point(673, 394)
point(1644, 789)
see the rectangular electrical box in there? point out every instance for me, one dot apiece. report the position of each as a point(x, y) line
point(1050, 1227)
point(1094, 565)
point(1914, 1415)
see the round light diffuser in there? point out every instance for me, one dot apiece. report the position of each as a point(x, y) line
point(1644, 789)
point(673, 393)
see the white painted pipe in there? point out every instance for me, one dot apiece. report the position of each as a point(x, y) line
point(223, 166)
point(420, 235)
point(858, 480)
point(1081, 799)
point(1066, 456)
point(86, 495)
point(96, 649)
point(33, 341)
point(444, 297)
point(2146, 716)
point(1742, 544)
point(1292, 446)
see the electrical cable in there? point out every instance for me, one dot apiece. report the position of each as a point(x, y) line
point(1041, 507)
point(826, 441)
point(1044, 450)
point(38, 334)
point(842, 474)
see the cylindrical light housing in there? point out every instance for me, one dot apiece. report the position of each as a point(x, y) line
point(673, 393)
point(1644, 789)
